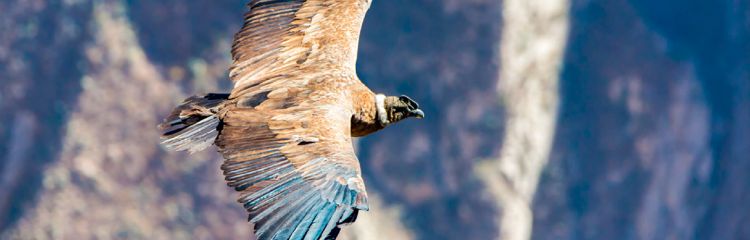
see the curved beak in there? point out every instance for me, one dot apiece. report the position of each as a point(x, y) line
point(419, 114)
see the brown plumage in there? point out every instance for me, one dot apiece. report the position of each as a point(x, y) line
point(286, 128)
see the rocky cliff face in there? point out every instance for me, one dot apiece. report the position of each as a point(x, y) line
point(649, 139)
point(652, 136)
point(106, 176)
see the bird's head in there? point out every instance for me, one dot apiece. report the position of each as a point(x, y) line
point(398, 108)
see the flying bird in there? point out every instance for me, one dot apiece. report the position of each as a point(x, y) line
point(285, 130)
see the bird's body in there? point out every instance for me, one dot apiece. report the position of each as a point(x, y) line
point(285, 129)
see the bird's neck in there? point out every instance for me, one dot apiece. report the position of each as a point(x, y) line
point(381, 115)
point(369, 115)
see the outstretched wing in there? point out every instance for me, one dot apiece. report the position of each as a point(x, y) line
point(287, 143)
point(280, 36)
point(295, 168)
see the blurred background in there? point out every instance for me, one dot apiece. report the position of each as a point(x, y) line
point(546, 119)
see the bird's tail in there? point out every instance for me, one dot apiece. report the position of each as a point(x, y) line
point(193, 125)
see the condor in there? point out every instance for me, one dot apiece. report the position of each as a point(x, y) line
point(286, 128)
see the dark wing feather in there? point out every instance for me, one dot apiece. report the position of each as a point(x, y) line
point(295, 168)
point(280, 36)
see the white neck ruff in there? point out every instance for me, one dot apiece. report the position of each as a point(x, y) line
point(382, 113)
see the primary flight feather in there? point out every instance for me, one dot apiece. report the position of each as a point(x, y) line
point(286, 128)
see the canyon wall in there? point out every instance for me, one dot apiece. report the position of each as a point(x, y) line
point(607, 119)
